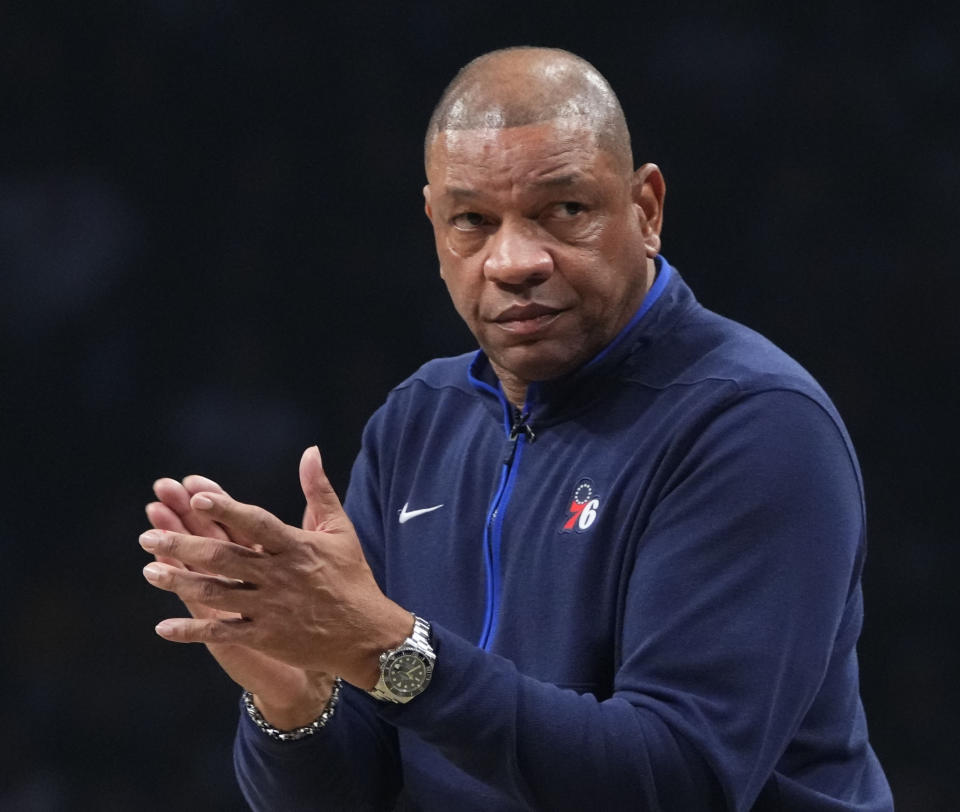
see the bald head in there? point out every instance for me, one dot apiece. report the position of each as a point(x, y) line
point(514, 87)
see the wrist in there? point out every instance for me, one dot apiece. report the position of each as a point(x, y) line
point(286, 712)
point(395, 627)
point(286, 734)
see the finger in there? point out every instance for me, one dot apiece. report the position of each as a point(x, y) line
point(176, 496)
point(246, 524)
point(198, 610)
point(210, 555)
point(229, 631)
point(199, 524)
point(196, 483)
point(173, 495)
point(324, 511)
point(163, 518)
point(207, 590)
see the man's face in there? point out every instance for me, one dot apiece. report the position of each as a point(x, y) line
point(544, 243)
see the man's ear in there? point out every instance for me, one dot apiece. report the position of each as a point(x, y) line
point(648, 190)
point(426, 202)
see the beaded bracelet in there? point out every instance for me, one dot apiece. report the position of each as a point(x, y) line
point(298, 732)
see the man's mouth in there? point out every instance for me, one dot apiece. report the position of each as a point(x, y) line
point(526, 319)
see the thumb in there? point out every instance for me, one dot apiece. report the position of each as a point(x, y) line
point(324, 511)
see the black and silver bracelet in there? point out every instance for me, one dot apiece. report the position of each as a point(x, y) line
point(298, 732)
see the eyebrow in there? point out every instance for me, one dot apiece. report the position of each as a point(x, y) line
point(570, 179)
point(462, 192)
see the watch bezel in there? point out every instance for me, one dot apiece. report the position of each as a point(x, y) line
point(391, 657)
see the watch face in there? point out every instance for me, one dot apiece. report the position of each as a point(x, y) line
point(407, 673)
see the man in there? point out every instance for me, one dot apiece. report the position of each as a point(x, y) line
point(631, 531)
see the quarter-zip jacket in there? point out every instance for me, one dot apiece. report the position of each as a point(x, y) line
point(644, 588)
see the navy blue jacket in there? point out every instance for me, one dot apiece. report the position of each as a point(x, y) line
point(644, 590)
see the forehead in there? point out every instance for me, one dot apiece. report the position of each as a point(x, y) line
point(535, 153)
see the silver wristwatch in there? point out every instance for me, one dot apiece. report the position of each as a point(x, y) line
point(405, 671)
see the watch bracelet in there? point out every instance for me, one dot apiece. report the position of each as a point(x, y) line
point(298, 732)
point(421, 631)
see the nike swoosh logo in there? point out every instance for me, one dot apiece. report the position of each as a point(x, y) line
point(406, 515)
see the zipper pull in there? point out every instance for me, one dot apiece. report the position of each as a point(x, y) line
point(520, 426)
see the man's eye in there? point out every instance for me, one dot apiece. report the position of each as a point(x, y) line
point(567, 209)
point(468, 221)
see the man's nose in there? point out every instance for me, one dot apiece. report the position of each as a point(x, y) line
point(518, 255)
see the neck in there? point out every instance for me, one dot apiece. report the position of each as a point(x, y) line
point(513, 387)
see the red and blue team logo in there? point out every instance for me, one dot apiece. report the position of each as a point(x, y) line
point(584, 504)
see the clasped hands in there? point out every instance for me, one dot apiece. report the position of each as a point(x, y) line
point(280, 607)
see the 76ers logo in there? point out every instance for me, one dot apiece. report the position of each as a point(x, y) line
point(584, 505)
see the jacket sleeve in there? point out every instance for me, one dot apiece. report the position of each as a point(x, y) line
point(745, 571)
point(350, 764)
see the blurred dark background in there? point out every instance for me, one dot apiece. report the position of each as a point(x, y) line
point(213, 254)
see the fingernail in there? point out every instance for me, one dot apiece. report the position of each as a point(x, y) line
point(152, 572)
point(149, 541)
point(202, 502)
point(165, 628)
